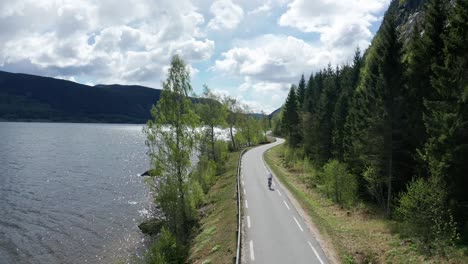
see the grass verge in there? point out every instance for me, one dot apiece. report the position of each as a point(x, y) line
point(359, 235)
point(215, 241)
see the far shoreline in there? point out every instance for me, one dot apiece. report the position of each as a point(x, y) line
point(48, 121)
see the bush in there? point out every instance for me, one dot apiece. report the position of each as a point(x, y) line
point(204, 173)
point(166, 250)
point(196, 194)
point(221, 151)
point(422, 208)
point(340, 185)
point(375, 183)
point(293, 155)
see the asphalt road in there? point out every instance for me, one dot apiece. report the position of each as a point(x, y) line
point(275, 232)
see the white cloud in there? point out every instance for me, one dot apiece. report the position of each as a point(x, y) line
point(128, 42)
point(260, 9)
point(227, 15)
point(263, 95)
point(273, 58)
point(99, 41)
point(340, 23)
point(269, 63)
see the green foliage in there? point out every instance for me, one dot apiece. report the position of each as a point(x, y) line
point(249, 130)
point(166, 250)
point(340, 185)
point(301, 93)
point(221, 151)
point(204, 173)
point(292, 156)
point(171, 139)
point(380, 112)
point(446, 117)
point(375, 183)
point(290, 118)
point(196, 196)
point(423, 210)
point(213, 114)
point(233, 115)
point(398, 113)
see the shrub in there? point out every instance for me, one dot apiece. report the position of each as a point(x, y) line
point(204, 173)
point(340, 185)
point(422, 208)
point(196, 194)
point(166, 250)
point(293, 156)
point(375, 183)
point(221, 151)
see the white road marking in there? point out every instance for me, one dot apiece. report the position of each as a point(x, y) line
point(274, 184)
point(252, 255)
point(287, 206)
point(315, 252)
point(245, 192)
point(246, 204)
point(248, 221)
point(279, 193)
point(300, 227)
point(243, 183)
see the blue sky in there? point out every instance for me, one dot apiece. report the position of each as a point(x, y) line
point(248, 49)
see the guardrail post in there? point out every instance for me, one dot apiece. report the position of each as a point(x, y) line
point(237, 258)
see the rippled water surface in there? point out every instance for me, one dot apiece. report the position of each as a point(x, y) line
point(70, 193)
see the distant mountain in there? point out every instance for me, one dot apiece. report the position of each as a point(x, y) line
point(32, 98)
point(275, 113)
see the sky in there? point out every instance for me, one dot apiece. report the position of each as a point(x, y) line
point(249, 49)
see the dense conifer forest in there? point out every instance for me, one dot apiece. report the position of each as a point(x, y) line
point(397, 119)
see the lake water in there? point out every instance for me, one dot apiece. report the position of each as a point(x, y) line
point(70, 193)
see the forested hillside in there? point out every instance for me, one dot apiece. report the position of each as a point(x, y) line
point(29, 97)
point(396, 120)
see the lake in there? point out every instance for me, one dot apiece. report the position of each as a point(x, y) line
point(71, 193)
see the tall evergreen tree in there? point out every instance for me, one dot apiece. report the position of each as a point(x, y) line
point(378, 128)
point(301, 88)
point(447, 113)
point(348, 83)
point(425, 40)
point(290, 119)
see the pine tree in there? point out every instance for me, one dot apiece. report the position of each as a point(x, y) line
point(378, 113)
point(324, 111)
point(447, 113)
point(301, 88)
point(290, 119)
point(348, 82)
point(425, 40)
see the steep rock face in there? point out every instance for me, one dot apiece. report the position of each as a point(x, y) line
point(411, 5)
point(410, 14)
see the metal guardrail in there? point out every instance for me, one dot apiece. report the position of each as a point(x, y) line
point(237, 258)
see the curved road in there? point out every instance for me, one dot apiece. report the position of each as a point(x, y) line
point(274, 231)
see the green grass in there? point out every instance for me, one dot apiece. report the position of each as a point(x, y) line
point(359, 235)
point(215, 241)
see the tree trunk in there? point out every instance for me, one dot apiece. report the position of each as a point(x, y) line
point(389, 183)
point(213, 143)
point(232, 138)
